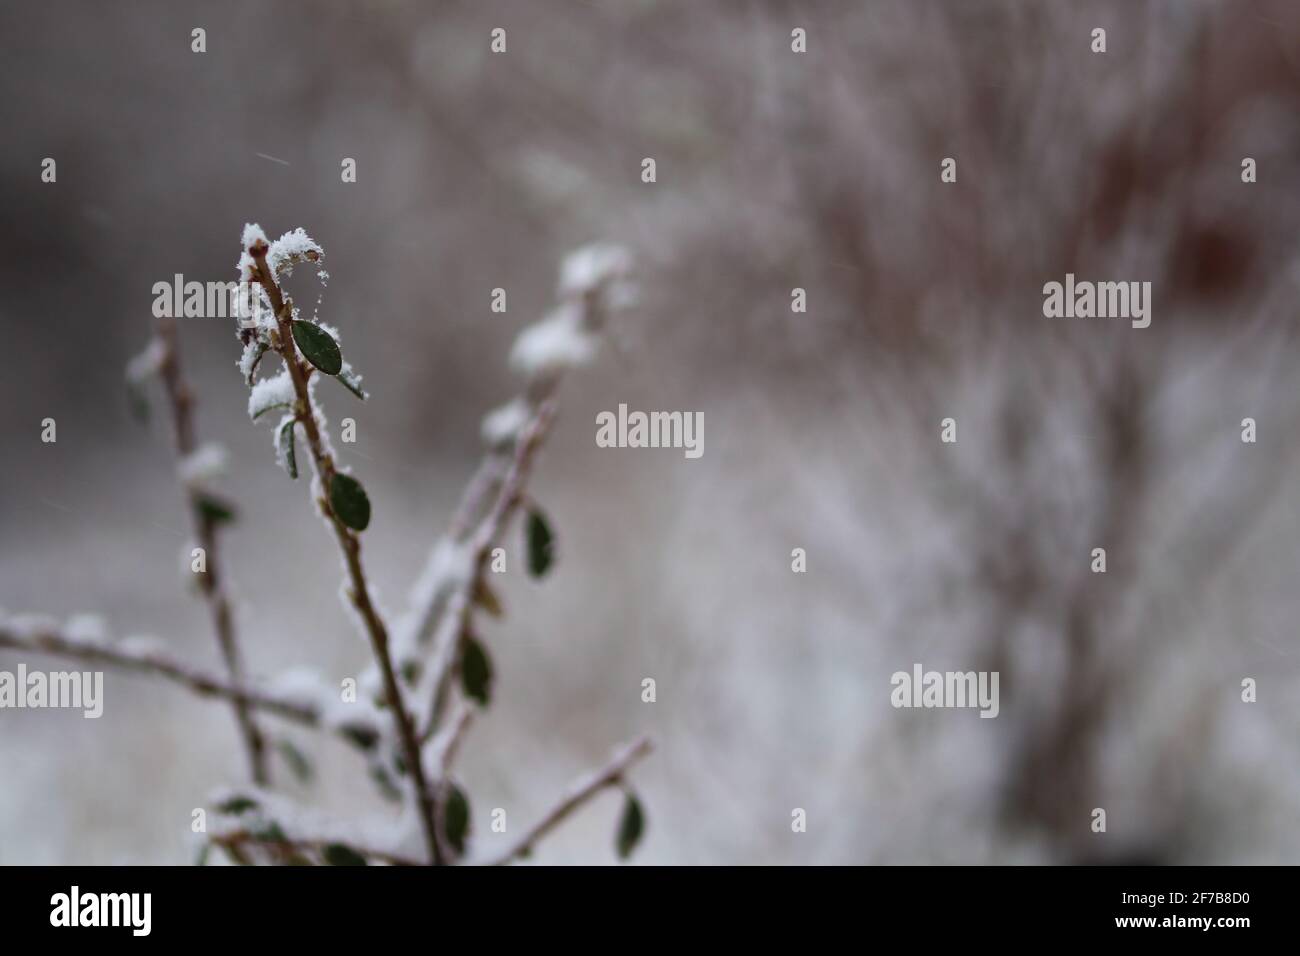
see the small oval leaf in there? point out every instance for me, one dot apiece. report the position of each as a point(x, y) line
point(298, 761)
point(541, 544)
point(455, 818)
point(237, 804)
point(287, 445)
point(475, 671)
point(318, 346)
point(349, 502)
point(336, 854)
point(630, 827)
point(362, 735)
point(213, 509)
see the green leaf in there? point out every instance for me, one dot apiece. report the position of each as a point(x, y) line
point(237, 804)
point(336, 854)
point(318, 346)
point(475, 671)
point(213, 509)
point(352, 381)
point(363, 736)
point(296, 759)
point(202, 858)
point(384, 781)
point(348, 501)
point(287, 443)
point(541, 544)
point(455, 818)
point(630, 827)
point(270, 832)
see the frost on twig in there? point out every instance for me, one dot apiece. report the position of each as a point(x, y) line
point(85, 639)
point(198, 466)
point(308, 349)
point(254, 826)
point(436, 655)
point(595, 281)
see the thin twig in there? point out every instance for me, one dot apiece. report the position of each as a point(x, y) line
point(460, 602)
point(50, 640)
point(447, 744)
point(350, 543)
point(211, 581)
point(578, 793)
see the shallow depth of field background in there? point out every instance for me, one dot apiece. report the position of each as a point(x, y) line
point(775, 170)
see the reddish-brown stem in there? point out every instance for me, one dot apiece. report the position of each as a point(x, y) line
point(350, 544)
point(51, 640)
point(211, 581)
point(578, 793)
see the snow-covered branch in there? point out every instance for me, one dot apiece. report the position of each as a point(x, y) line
point(205, 518)
point(298, 851)
point(434, 648)
point(509, 493)
point(85, 642)
point(340, 499)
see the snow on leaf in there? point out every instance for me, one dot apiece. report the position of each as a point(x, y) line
point(252, 354)
point(352, 381)
point(147, 363)
point(556, 343)
point(501, 425)
point(204, 463)
point(586, 269)
point(292, 248)
point(286, 448)
point(138, 371)
point(269, 393)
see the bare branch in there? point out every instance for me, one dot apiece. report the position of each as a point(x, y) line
point(212, 580)
point(578, 793)
point(446, 745)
